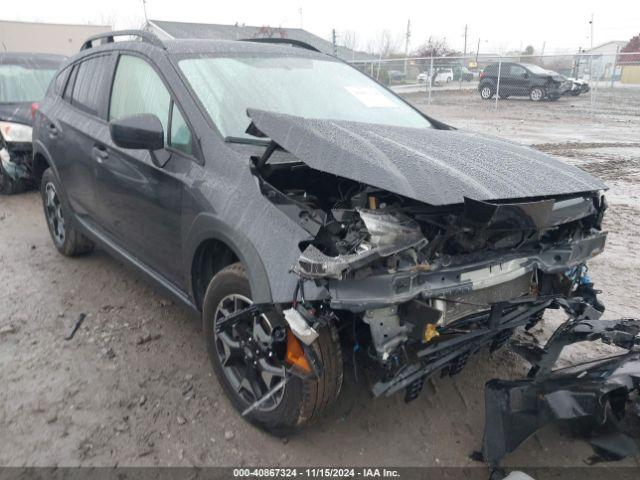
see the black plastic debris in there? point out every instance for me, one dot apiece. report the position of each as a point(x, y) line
point(76, 326)
point(589, 394)
point(612, 447)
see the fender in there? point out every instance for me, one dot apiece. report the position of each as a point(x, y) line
point(207, 226)
point(39, 148)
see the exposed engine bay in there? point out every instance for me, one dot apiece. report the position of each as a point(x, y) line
point(414, 272)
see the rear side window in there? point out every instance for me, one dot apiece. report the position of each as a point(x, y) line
point(69, 88)
point(517, 71)
point(138, 89)
point(491, 69)
point(58, 83)
point(91, 79)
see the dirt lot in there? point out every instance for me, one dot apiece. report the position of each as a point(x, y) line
point(134, 386)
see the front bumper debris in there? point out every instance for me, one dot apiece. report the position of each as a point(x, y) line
point(15, 161)
point(588, 393)
point(358, 294)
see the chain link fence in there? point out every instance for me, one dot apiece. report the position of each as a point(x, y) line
point(595, 83)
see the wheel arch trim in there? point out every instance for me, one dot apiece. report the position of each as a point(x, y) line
point(206, 227)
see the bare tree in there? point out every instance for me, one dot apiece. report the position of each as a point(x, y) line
point(348, 39)
point(385, 44)
point(434, 47)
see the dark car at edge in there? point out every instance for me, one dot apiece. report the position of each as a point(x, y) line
point(24, 78)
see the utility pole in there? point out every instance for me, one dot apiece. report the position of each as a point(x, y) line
point(465, 40)
point(477, 51)
point(464, 56)
point(406, 44)
point(144, 9)
point(591, 24)
point(333, 42)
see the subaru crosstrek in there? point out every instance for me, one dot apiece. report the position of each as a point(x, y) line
point(314, 218)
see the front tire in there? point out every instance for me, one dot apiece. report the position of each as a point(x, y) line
point(536, 94)
point(301, 401)
point(67, 239)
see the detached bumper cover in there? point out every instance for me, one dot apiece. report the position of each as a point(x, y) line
point(514, 410)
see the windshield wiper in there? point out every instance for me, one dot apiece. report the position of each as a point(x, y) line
point(272, 147)
point(247, 141)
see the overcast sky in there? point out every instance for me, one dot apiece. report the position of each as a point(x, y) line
point(562, 25)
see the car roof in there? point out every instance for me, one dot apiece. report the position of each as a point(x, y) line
point(183, 47)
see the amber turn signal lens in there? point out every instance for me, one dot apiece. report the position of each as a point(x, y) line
point(295, 355)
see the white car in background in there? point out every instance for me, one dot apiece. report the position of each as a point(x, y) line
point(443, 75)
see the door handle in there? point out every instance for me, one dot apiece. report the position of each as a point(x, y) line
point(53, 130)
point(100, 152)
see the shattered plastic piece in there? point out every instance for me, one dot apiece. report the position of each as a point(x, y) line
point(76, 326)
point(614, 446)
point(299, 326)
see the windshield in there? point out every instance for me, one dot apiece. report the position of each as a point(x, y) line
point(305, 87)
point(23, 84)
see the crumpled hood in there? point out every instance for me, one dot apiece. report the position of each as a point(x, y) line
point(438, 167)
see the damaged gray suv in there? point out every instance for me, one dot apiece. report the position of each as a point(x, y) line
point(312, 217)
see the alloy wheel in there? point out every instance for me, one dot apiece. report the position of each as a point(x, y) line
point(55, 217)
point(536, 94)
point(246, 356)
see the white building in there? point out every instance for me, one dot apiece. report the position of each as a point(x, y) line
point(601, 64)
point(33, 37)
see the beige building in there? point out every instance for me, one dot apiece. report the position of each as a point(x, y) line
point(64, 39)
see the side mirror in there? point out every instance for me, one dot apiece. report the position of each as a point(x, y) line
point(140, 132)
point(525, 75)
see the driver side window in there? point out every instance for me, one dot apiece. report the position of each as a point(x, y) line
point(517, 71)
point(138, 89)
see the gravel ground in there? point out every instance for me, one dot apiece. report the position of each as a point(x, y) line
point(134, 386)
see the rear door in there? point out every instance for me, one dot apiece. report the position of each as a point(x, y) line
point(82, 129)
point(142, 203)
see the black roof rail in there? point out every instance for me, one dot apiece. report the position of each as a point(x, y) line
point(107, 37)
point(283, 41)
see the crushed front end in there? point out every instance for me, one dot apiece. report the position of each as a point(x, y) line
point(435, 284)
point(418, 282)
point(424, 287)
point(15, 157)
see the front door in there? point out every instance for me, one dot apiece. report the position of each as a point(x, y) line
point(141, 202)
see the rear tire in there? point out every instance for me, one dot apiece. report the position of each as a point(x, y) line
point(487, 92)
point(67, 239)
point(302, 401)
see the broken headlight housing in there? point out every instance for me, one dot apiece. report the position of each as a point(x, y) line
point(15, 132)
